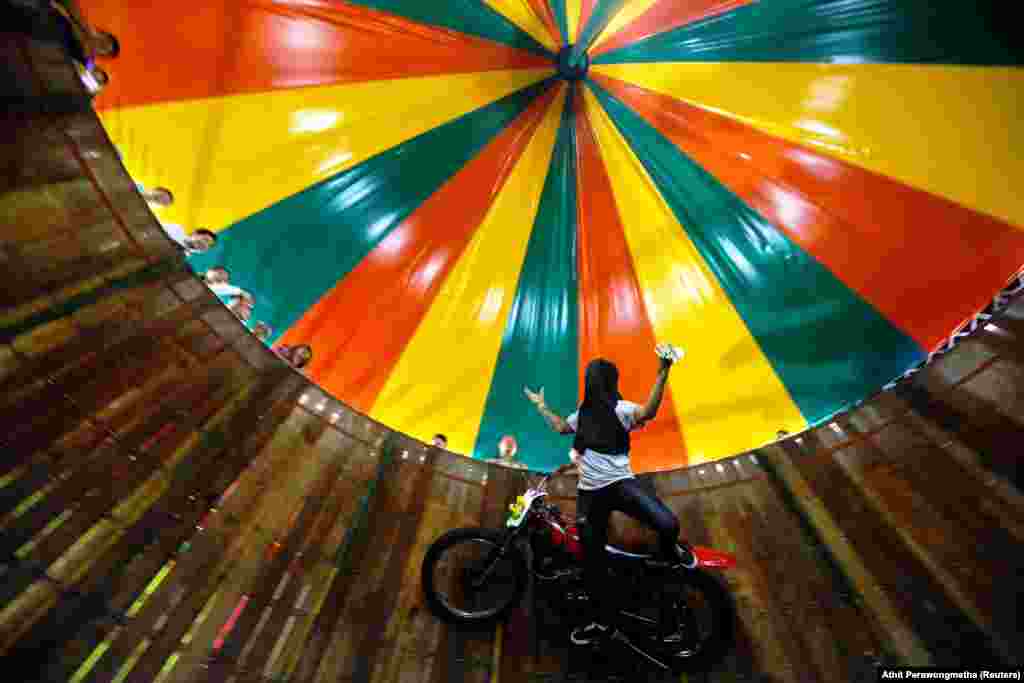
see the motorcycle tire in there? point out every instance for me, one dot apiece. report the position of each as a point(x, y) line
point(720, 639)
point(436, 602)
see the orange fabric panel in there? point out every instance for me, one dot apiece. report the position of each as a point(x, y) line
point(361, 327)
point(926, 263)
point(666, 15)
point(613, 317)
point(220, 48)
point(543, 10)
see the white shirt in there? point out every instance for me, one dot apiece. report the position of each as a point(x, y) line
point(223, 289)
point(175, 232)
point(598, 470)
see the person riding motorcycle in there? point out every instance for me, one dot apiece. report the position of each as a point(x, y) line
point(601, 426)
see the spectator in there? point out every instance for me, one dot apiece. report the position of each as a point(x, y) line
point(218, 275)
point(217, 280)
point(93, 78)
point(86, 42)
point(104, 44)
point(199, 241)
point(262, 331)
point(297, 356)
point(241, 306)
point(440, 440)
point(507, 449)
point(158, 196)
point(84, 45)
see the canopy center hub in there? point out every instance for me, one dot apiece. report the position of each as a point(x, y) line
point(572, 66)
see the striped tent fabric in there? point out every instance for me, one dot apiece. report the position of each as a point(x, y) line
point(452, 199)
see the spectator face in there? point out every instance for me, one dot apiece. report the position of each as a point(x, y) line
point(216, 276)
point(241, 309)
point(262, 331)
point(160, 196)
point(105, 45)
point(201, 242)
point(439, 441)
point(507, 447)
point(301, 355)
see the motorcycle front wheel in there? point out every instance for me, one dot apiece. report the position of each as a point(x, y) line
point(466, 579)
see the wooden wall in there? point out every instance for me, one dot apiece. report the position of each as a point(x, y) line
point(176, 505)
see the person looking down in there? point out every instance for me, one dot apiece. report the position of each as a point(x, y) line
point(199, 241)
point(262, 331)
point(297, 356)
point(507, 449)
point(241, 305)
point(158, 196)
point(216, 279)
point(606, 482)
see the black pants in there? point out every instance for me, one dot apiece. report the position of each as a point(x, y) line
point(593, 510)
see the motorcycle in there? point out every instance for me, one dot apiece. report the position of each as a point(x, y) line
point(673, 618)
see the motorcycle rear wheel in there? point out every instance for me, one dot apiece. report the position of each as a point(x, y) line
point(485, 585)
point(702, 599)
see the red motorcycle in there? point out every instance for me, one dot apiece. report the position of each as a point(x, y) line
point(673, 618)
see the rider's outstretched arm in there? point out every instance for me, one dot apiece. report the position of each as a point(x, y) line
point(650, 409)
point(553, 420)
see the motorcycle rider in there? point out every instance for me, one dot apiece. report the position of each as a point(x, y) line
point(607, 483)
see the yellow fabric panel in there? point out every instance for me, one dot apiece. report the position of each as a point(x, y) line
point(573, 13)
point(944, 129)
point(227, 158)
point(521, 14)
point(440, 383)
point(726, 394)
point(630, 10)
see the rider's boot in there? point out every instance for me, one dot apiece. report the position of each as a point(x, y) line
point(684, 558)
point(589, 634)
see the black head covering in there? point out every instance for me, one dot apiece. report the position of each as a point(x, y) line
point(598, 427)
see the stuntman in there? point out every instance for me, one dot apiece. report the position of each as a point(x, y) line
point(602, 425)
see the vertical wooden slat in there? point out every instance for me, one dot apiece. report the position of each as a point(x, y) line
point(903, 639)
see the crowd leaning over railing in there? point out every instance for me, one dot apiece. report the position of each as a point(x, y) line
point(237, 300)
point(85, 44)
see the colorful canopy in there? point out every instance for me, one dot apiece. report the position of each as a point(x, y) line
point(452, 199)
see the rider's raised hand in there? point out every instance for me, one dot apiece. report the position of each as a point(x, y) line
point(667, 355)
point(537, 398)
point(664, 357)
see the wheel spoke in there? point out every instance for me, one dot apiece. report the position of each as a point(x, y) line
point(471, 578)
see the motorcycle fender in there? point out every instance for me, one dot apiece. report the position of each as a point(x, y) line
point(713, 559)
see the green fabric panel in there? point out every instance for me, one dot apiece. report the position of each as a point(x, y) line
point(898, 31)
point(828, 346)
point(294, 252)
point(473, 17)
point(540, 346)
point(562, 17)
point(603, 13)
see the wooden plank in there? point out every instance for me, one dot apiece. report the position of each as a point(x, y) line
point(903, 639)
point(920, 526)
point(129, 546)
